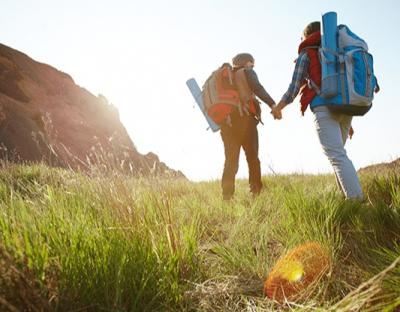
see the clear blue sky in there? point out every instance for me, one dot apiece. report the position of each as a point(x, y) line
point(140, 53)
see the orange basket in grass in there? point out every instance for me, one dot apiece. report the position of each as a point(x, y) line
point(294, 272)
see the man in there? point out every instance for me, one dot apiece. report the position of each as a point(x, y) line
point(240, 130)
point(332, 128)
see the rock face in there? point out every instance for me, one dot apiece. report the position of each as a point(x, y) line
point(45, 116)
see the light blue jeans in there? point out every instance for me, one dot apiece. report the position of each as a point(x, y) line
point(333, 130)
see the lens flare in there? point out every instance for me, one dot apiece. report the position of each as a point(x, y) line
point(297, 270)
point(293, 271)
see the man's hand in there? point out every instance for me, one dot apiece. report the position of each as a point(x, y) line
point(276, 112)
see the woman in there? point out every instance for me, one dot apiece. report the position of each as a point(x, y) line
point(332, 128)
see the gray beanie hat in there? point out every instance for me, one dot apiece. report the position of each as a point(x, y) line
point(241, 59)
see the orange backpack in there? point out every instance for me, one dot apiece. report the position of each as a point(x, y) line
point(220, 94)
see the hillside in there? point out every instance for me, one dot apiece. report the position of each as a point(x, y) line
point(45, 116)
point(383, 167)
point(78, 242)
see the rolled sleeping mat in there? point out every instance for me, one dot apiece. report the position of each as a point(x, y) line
point(328, 54)
point(196, 92)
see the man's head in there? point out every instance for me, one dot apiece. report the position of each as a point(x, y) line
point(311, 28)
point(243, 60)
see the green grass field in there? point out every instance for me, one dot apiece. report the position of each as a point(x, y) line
point(107, 242)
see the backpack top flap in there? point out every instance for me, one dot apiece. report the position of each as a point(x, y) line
point(346, 39)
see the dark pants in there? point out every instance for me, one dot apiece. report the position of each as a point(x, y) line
point(242, 133)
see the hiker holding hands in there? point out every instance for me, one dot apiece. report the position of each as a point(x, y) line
point(332, 128)
point(240, 130)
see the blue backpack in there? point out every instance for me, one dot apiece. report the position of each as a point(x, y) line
point(348, 82)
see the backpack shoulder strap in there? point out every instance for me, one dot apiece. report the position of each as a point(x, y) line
point(243, 88)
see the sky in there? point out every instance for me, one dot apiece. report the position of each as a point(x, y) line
point(139, 54)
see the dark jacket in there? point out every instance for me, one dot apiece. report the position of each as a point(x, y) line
point(257, 87)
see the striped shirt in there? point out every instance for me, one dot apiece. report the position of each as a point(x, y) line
point(300, 73)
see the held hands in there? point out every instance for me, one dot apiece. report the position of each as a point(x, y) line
point(276, 111)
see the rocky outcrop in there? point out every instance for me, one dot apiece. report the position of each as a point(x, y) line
point(382, 167)
point(45, 116)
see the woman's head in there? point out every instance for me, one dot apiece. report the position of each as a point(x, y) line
point(311, 28)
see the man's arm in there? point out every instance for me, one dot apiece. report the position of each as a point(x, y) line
point(257, 87)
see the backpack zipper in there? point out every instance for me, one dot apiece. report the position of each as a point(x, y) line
point(368, 78)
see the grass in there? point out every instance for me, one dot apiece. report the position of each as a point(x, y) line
point(109, 242)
